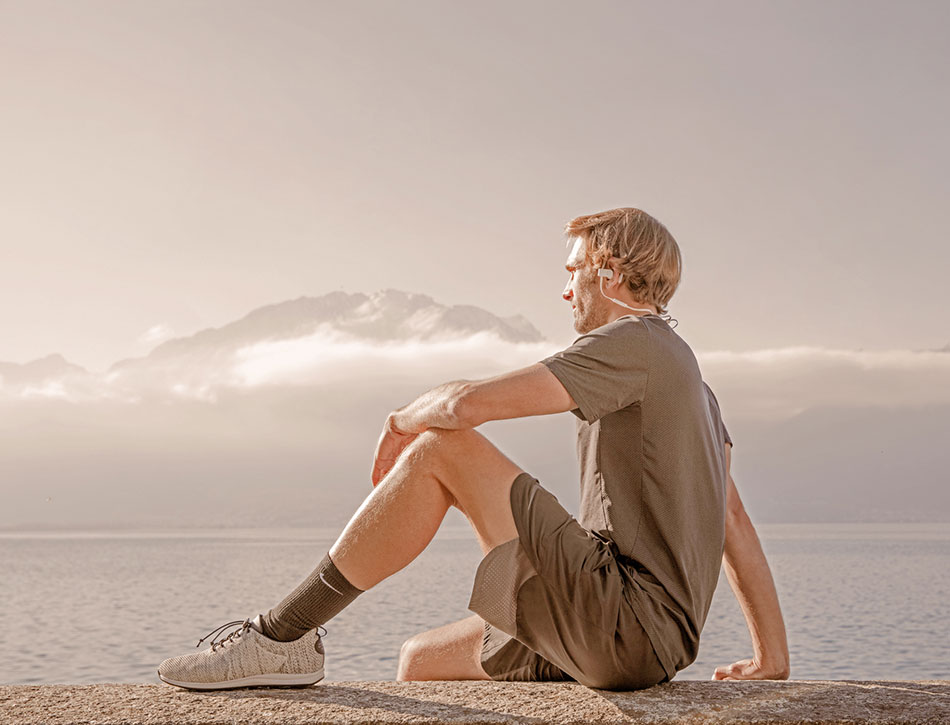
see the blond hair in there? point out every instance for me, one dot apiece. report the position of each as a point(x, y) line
point(645, 252)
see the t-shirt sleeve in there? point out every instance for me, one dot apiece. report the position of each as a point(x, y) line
point(714, 405)
point(606, 369)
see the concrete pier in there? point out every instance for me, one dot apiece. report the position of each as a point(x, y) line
point(483, 703)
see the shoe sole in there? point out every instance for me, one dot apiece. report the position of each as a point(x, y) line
point(274, 680)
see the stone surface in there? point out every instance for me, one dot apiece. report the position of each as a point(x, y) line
point(350, 703)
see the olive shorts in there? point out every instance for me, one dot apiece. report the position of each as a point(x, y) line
point(553, 603)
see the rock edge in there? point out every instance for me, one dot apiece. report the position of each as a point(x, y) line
point(795, 702)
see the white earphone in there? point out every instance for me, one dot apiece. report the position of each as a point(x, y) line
point(608, 273)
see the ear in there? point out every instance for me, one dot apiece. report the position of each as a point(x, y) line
point(616, 279)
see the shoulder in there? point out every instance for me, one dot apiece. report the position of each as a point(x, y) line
point(628, 327)
point(711, 397)
point(623, 338)
point(716, 413)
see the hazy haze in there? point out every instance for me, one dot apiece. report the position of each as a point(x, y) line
point(168, 166)
point(171, 167)
point(271, 420)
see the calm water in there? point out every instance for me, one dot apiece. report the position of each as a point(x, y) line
point(860, 601)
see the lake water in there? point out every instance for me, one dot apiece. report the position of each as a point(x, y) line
point(861, 601)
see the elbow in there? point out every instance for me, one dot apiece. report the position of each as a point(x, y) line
point(735, 514)
point(738, 526)
point(735, 511)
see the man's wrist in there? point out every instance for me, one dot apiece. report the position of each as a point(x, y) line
point(402, 421)
point(775, 665)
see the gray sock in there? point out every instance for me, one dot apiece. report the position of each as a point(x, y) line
point(318, 598)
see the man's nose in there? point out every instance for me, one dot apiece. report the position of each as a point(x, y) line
point(568, 293)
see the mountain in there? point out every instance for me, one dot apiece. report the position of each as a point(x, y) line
point(37, 372)
point(385, 316)
point(299, 339)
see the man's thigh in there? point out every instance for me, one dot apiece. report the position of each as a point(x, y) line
point(451, 652)
point(479, 477)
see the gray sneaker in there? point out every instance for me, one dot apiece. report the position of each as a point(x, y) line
point(246, 658)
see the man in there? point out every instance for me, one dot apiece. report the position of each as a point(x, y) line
point(615, 599)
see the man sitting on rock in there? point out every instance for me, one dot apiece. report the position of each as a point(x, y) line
point(614, 599)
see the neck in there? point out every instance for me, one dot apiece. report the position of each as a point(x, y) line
point(616, 311)
point(622, 305)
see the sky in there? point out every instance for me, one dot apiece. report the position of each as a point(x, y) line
point(170, 166)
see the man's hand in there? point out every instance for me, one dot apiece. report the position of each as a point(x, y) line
point(751, 670)
point(391, 444)
point(464, 404)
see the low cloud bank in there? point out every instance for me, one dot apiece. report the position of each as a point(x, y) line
point(193, 439)
point(771, 384)
point(327, 357)
point(785, 382)
point(331, 358)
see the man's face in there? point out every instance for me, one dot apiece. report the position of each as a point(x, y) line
point(590, 309)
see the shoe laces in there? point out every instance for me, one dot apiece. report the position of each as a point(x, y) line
point(242, 625)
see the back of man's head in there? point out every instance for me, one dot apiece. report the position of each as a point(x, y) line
point(642, 248)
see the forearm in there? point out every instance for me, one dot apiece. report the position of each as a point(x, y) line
point(440, 407)
point(751, 581)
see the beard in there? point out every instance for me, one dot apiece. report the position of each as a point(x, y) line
point(590, 310)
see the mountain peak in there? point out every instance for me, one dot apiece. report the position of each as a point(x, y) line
point(388, 315)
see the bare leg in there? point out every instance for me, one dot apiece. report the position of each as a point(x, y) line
point(440, 468)
point(452, 652)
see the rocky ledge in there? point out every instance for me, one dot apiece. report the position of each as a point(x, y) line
point(474, 703)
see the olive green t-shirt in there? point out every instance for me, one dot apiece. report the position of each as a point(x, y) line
point(651, 447)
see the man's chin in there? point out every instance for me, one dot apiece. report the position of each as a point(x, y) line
point(581, 326)
point(585, 323)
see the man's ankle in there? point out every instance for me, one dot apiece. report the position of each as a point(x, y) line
point(273, 628)
point(319, 598)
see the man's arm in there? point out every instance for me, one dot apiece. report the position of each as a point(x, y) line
point(751, 581)
point(463, 404)
point(533, 390)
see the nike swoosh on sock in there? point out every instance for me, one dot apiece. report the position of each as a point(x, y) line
point(324, 580)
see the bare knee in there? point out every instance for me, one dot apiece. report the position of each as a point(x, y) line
point(406, 656)
point(450, 652)
point(441, 441)
point(412, 660)
point(440, 450)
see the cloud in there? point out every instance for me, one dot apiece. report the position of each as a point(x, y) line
point(326, 357)
point(156, 334)
point(330, 357)
point(784, 382)
point(773, 383)
point(47, 390)
point(194, 438)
